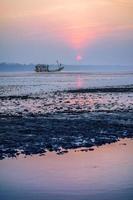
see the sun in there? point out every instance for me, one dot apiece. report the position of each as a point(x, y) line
point(79, 58)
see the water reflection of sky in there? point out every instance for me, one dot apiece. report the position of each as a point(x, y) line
point(79, 82)
point(105, 173)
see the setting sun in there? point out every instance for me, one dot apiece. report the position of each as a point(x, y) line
point(79, 58)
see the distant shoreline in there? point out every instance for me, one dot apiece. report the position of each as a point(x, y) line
point(17, 67)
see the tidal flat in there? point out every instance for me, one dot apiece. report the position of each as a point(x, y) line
point(63, 120)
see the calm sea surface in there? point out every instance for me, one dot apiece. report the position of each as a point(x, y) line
point(34, 83)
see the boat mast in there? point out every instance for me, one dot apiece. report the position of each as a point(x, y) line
point(59, 64)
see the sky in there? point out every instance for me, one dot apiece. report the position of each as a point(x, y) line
point(73, 31)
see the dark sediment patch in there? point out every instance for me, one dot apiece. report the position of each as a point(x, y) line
point(23, 97)
point(102, 90)
point(37, 135)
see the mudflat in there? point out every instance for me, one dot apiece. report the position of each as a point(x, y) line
point(63, 120)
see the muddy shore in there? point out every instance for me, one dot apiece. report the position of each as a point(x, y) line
point(65, 120)
point(37, 135)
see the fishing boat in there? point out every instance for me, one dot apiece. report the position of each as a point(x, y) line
point(46, 68)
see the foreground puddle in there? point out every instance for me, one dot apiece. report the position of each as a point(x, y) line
point(105, 173)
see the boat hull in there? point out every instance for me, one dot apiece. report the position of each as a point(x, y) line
point(45, 68)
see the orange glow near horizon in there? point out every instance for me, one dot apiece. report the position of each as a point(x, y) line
point(77, 23)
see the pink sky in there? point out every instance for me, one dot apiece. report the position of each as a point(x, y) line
point(76, 24)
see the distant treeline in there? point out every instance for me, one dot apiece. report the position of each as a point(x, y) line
point(16, 67)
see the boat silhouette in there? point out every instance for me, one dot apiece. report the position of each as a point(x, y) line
point(46, 68)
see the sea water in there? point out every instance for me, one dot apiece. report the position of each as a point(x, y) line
point(26, 83)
